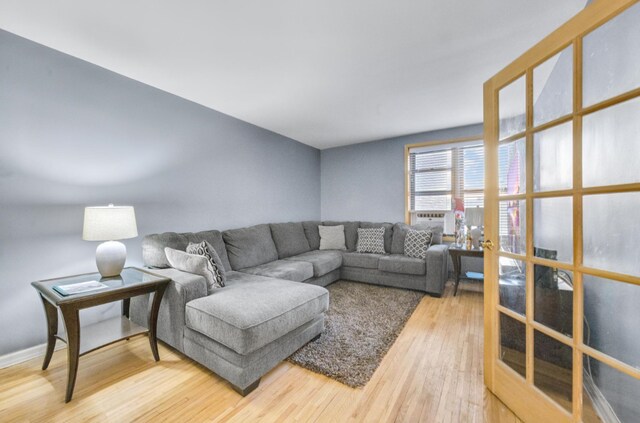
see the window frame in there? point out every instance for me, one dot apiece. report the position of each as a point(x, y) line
point(407, 170)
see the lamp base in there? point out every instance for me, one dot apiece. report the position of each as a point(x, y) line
point(110, 258)
point(475, 233)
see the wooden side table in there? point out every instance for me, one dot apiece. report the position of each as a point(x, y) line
point(456, 256)
point(130, 283)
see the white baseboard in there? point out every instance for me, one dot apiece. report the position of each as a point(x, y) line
point(21, 356)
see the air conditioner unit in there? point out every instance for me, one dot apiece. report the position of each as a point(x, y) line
point(430, 218)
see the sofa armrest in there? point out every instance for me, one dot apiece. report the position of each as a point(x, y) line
point(437, 268)
point(183, 288)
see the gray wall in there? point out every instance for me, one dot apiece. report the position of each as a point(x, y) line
point(366, 181)
point(73, 134)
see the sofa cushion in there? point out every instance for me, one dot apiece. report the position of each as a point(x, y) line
point(249, 247)
point(153, 246)
point(398, 263)
point(332, 237)
point(388, 232)
point(323, 261)
point(283, 269)
point(289, 239)
point(364, 260)
point(400, 233)
point(252, 311)
point(350, 232)
point(370, 240)
point(312, 234)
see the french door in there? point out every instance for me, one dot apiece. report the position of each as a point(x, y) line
point(562, 222)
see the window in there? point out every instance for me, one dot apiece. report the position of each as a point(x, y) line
point(439, 174)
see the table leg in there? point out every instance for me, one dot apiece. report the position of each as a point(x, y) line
point(457, 266)
point(51, 313)
point(125, 307)
point(72, 326)
point(153, 321)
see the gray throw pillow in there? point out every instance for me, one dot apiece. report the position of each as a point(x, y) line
point(416, 243)
point(205, 249)
point(400, 232)
point(192, 263)
point(370, 240)
point(332, 237)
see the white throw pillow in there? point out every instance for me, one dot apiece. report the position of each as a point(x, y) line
point(332, 237)
point(192, 263)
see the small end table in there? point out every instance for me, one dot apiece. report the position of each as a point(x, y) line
point(130, 283)
point(457, 253)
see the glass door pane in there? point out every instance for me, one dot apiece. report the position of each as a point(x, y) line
point(512, 108)
point(513, 234)
point(611, 317)
point(553, 158)
point(513, 339)
point(553, 302)
point(553, 228)
point(512, 169)
point(513, 292)
point(620, 391)
point(611, 145)
point(611, 232)
point(553, 366)
point(611, 58)
point(553, 87)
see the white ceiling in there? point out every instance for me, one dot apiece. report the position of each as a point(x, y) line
point(324, 72)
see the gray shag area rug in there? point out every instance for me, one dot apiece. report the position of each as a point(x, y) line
point(362, 323)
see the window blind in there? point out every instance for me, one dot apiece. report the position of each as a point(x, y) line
point(440, 173)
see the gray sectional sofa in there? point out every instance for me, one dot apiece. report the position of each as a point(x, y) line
point(274, 299)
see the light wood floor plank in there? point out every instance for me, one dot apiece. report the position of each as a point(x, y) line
point(433, 373)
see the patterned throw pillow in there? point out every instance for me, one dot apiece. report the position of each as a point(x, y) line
point(416, 243)
point(192, 263)
point(205, 249)
point(370, 240)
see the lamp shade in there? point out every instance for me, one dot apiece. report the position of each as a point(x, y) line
point(109, 223)
point(474, 216)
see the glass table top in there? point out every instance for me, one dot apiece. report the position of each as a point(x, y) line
point(129, 277)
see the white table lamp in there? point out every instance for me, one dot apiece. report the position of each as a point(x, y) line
point(110, 223)
point(474, 216)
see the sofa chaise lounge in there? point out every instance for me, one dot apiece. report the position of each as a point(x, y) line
point(264, 313)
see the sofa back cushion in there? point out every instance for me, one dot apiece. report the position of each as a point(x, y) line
point(153, 246)
point(312, 234)
point(388, 232)
point(350, 232)
point(289, 239)
point(248, 247)
point(400, 233)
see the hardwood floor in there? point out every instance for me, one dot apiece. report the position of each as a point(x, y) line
point(433, 373)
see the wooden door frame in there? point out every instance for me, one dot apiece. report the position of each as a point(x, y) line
point(529, 403)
